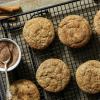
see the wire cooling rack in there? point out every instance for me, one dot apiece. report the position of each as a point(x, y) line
point(73, 57)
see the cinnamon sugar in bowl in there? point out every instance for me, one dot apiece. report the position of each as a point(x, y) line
point(14, 50)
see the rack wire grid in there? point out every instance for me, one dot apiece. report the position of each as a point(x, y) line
point(31, 59)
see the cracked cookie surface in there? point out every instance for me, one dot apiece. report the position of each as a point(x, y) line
point(74, 31)
point(53, 75)
point(38, 32)
point(24, 90)
point(88, 76)
point(97, 22)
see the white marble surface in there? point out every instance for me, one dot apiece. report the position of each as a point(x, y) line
point(34, 4)
point(28, 5)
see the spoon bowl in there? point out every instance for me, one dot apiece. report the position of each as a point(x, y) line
point(5, 59)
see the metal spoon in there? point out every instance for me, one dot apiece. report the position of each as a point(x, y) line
point(6, 56)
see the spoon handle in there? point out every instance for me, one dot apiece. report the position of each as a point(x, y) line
point(8, 94)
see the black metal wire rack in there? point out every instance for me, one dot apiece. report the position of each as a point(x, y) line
point(73, 57)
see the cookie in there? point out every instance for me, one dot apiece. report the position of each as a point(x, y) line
point(38, 32)
point(24, 90)
point(74, 31)
point(97, 22)
point(53, 75)
point(88, 76)
point(10, 9)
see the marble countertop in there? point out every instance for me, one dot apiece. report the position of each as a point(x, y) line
point(28, 5)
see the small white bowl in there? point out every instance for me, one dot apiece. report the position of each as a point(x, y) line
point(19, 57)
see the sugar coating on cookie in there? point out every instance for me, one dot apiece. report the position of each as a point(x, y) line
point(88, 76)
point(97, 22)
point(74, 31)
point(38, 32)
point(53, 75)
point(24, 90)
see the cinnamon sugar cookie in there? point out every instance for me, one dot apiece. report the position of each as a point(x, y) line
point(53, 75)
point(97, 22)
point(24, 90)
point(88, 76)
point(74, 31)
point(38, 32)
